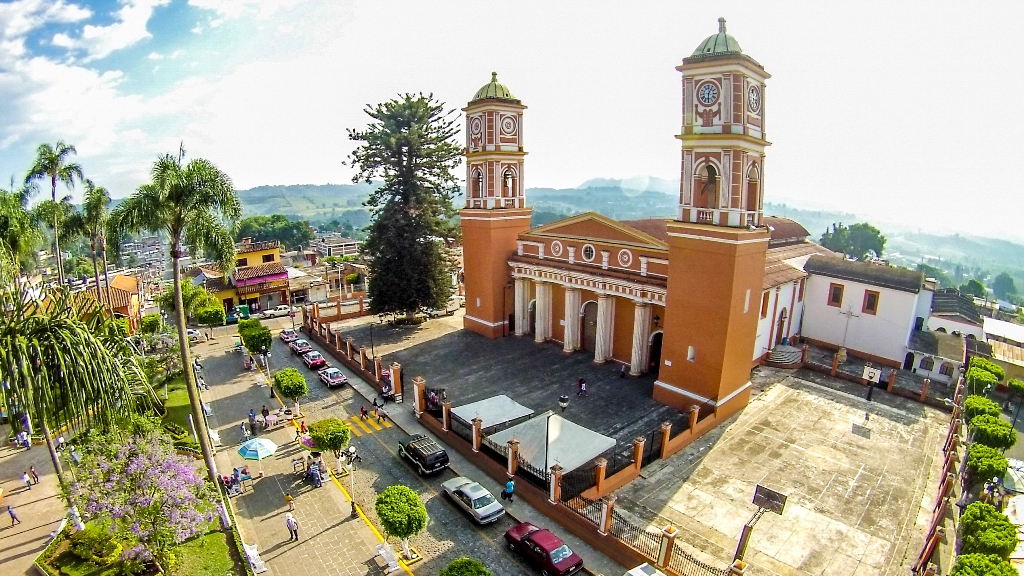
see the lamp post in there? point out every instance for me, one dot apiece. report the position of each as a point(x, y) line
point(352, 479)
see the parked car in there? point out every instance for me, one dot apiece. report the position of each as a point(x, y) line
point(332, 377)
point(424, 453)
point(193, 335)
point(450, 308)
point(543, 549)
point(300, 347)
point(474, 499)
point(289, 335)
point(276, 312)
point(231, 318)
point(240, 312)
point(314, 359)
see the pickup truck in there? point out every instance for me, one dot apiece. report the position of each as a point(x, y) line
point(276, 312)
point(450, 308)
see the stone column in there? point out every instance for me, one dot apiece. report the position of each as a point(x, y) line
point(513, 457)
point(572, 320)
point(666, 435)
point(522, 306)
point(600, 469)
point(641, 338)
point(419, 390)
point(348, 347)
point(396, 380)
point(446, 415)
point(477, 434)
point(555, 487)
point(638, 452)
point(605, 313)
point(668, 538)
point(376, 368)
point(362, 357)
point(924, 390)
point(694, 416)
point(543, 327)
point(607, 505)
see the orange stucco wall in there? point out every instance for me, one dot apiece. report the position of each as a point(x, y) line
point(488, 240)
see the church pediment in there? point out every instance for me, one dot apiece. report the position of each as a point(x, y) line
point(595, 227)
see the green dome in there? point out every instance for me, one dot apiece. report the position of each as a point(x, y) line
point(493, 90)
point(720, 43)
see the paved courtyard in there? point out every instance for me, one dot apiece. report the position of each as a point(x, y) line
point(858, 476)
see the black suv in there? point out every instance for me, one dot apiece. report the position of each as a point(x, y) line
point(424, 452)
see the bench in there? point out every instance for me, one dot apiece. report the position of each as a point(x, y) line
point(254, 558)
point(386, 552)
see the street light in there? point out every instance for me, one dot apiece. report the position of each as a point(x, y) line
point(351, 466)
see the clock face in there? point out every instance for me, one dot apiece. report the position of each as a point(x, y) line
point(754, 99)
point(708, 93)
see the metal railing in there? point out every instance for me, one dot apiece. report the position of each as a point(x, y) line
point(682, 562)
point(634, 536)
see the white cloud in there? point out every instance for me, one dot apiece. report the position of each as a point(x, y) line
point(175, 54)
point(19, 18)
point(258, 9)
point(216, 22)
point(155, 56)
point(198, 29)
point(129, 29)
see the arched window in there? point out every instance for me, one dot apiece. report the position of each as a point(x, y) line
point(709, 191)
point(946, 369)
point(940, 329)
point(753, 187)
point(927, 364)
point(478, 184)
point(509, 187)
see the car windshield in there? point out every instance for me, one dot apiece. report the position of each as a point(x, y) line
point(485, 500)
point(333, 373)
point(314, 355)
point(560, 553)
point(301, 343)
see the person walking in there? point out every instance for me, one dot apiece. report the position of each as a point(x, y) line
point(363, 413)
point(302, 426)
point(245, 432)
point(14, 517)
point(289, 501)
point(510, 488)
point(28, 481)
point(293, 527)
point(381, 414)
point(583, 387)
point(35, 475)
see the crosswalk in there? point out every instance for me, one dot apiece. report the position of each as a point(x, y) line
point(367, 425)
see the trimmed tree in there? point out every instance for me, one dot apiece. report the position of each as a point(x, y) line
point(466, 566)
point(291, 384)
point(975, 405)
point(411, 145)
point(978, 380)
point(401, 514)
point(211, 315)
point(985, 462)
point(993, 432)
point(151, 323)
point(254, 335)
point(330, 434)
point(985, 530)
point(982, 565)
point(988, 366)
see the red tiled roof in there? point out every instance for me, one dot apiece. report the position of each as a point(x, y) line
point(125, 282)
point(246, 247)
point(121, 298)
point(655, 227)
point(784, 230)
point(265, 269)
point(778, 271)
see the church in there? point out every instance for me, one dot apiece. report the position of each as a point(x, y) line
point(697, 298)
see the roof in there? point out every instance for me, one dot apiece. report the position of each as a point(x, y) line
point(784, 230)
point(976, 347)
point(548, 438)
point(594, 226)
point(127, 283)
point(121, 298)
point(1004, 330)
point(208, 270)
point(720, 43)
point(654, 227)
point(216, 284)
point(784, 264)
point(250, 246)
point(264, 269)
point(901, 279)
point(493, 411)
point(938, 344)
point(950, 303)
point(335, 240)
point(494, 90)
point(1007, 353)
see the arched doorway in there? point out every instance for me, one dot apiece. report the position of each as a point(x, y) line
point(908, 362)
point(654, 364)
point(588, 318)
point(780, 328)
point(533, 317)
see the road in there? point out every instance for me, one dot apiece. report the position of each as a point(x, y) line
point(449, 533)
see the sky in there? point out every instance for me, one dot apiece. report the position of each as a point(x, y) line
point(903, 112)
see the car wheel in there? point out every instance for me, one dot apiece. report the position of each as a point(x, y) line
point(544, 573)
point(511, 546)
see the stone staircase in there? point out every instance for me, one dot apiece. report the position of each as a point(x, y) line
point(783, 356)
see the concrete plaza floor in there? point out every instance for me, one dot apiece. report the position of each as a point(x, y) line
point(859, 478)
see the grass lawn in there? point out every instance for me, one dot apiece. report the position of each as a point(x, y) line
point(213, 553)
point(177, 404)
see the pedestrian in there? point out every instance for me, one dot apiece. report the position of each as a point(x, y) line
point(289, 501)
point(579, 387)
point(26, 480)
point(293, 527)
point(583, 388)
point(510, 488)
point(245, 432)
point(252, 415)
point(381, 415)
point(622, 371)
point(363, 412)
point(35, 475)
point(252, 363)
point(302, 426)
point(252, 428)
point(264, 411)
point(14, 517)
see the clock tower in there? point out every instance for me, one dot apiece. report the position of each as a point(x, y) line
point(495, 212)
point(717, 245)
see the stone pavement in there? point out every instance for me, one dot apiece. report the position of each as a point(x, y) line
point(330, 542)
point(40, 509)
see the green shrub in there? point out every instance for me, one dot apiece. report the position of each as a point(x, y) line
point(993, 432)
point(151, 323)
point(211, 315)
point(330, 434)
point(175, 430)
point(466, 566)
point(981, 565)
point(400, 511)
point(96, 544)
point(291, 384)
point(978, 380)
point(985, 530)
point(1016, 387)
point(985, 462)
point(988, 366)
point(978, 405)
point(254, 335)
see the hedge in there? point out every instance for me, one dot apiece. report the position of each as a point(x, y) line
point(978, 380)
point(993, 432)
point(982, 565)
point(985, 530)
point(330, 434)
point(976, 405)
point(466, 566)
point(985, 462)
point(254, 335)
point(151, 323)
point(211, 315)
point(1016, 387)
point(988, 366)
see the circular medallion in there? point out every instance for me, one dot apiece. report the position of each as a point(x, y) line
point(625, 258)
point(476, 126)
point(707, 93)
point(508, 125)
point(589, 252)
point(556, 248)
point(754, 99)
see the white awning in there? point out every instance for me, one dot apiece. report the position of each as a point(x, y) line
point(492, 411)
point(568, 444)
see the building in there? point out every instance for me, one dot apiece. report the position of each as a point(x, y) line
point(259, 280)
point(683, 304)
point(335, 245)
point(126, 295)
point(955, 313)
point(1007, 342)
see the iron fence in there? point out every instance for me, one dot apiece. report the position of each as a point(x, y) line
point(634, 536)
point(532, 474)
point(462, 429)
point(682, 562)
point(619, 458)
point(577, 482)
point(497, 452)
point(586, 508)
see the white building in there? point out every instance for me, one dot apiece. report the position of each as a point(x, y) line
point(335, 245)
point(955, 313)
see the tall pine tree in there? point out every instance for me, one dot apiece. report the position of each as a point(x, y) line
point(411, 144)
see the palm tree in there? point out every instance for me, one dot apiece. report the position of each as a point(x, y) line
point(195, 205)
point(62, 365)
point(91, 222)
point(18, 229)
point(52, 163)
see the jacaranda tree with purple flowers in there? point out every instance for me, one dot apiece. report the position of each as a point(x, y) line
point(154, 498)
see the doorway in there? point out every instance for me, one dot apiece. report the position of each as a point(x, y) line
point(780, 333)
point(908, 362)
point(655, 357)
point(588, 335)
point(533, 318)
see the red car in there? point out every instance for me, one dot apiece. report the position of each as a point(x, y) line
point(300, 347)
point(314, 359)
point(288, 335)
point(543, 549)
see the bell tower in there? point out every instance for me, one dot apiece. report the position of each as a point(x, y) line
point(717, 245)
point(495, 212)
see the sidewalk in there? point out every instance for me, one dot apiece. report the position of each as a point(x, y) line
point(39, 509)
point(330, 541)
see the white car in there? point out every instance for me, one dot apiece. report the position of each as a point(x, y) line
point(276, 312)
point(289, 335)
point(193, 335)
point(474, 499)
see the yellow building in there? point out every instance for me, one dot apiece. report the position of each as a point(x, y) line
point(259, 280)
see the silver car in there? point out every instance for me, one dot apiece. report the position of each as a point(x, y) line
point(475, 499)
